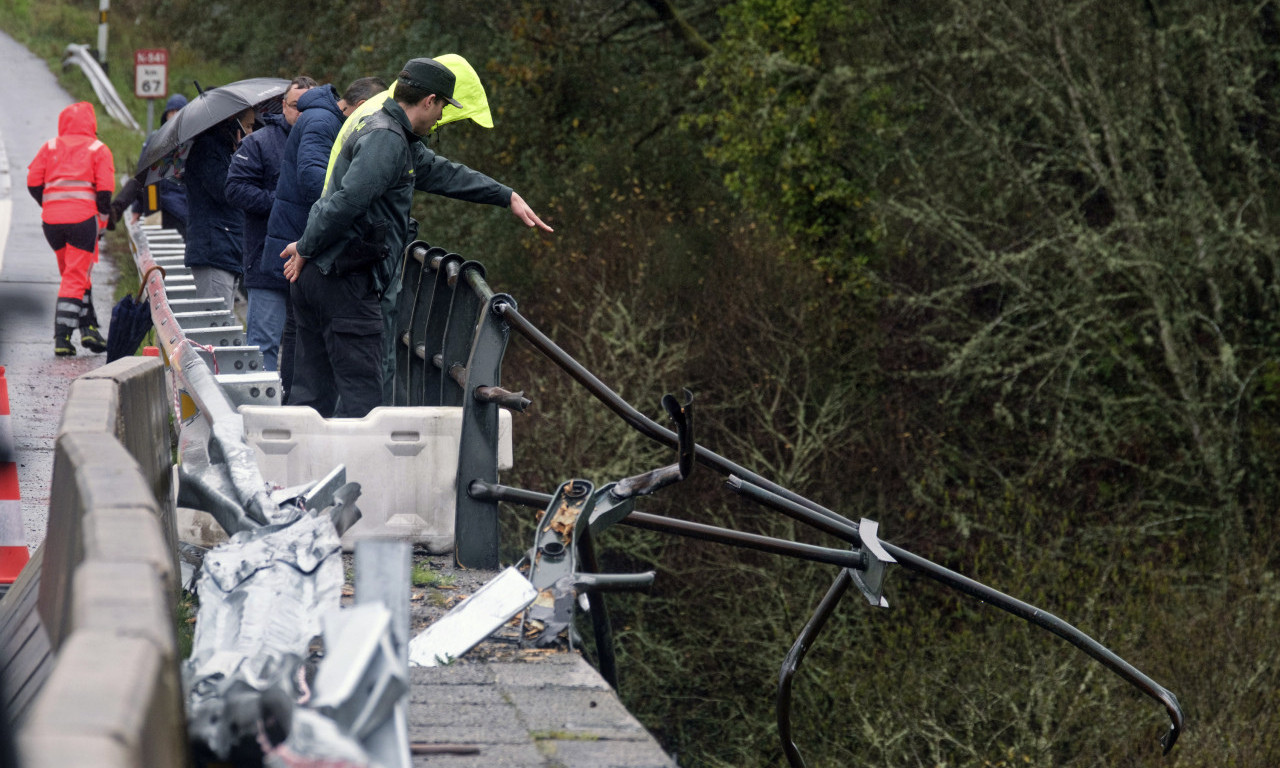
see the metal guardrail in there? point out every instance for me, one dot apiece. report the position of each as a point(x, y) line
point(243, 679)
point(79, 55)
point(226, 481)
point(449, 346)
point(451, 335)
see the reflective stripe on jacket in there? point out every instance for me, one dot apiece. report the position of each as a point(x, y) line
point(72, 168)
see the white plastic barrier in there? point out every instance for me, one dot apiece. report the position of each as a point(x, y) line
point(405, 459)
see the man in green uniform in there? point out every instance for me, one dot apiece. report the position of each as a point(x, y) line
point(346, 257)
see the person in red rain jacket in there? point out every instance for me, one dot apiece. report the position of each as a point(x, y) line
point(72, 178)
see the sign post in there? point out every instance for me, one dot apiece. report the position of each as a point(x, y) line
point(103, 7)
point(151, 78)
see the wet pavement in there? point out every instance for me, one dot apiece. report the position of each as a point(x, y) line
point(37, 380)
point(503, 706)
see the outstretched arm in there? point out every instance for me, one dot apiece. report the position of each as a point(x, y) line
point(437, 175)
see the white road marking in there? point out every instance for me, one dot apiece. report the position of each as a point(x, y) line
point(6, 202)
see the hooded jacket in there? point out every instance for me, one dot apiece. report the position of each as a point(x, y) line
point(215, 228)
point(251, 187)
point(73, 174)
point(302, 167)
point(371, 190)
point(175, 102)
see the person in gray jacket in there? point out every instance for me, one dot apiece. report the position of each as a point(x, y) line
point(346, 256)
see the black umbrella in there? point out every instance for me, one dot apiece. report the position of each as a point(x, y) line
point(130, 321)
point(167, 148)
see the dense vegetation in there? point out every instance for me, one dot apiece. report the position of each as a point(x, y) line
point(1000, 275)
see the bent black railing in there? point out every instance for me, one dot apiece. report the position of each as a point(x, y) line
point(434, 367)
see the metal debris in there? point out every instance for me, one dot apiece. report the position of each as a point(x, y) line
point(262, 594)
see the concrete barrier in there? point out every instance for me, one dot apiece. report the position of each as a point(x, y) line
point(107, 584)
point(24, 645)
point(106, 704)
point(98, 491)
point(142, 426)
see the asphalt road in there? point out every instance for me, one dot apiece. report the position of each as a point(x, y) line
point(38, 381)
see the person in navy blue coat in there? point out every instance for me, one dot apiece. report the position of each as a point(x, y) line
point(171, 194)
point(215, 228)
point(251, 187)
point(302, 170)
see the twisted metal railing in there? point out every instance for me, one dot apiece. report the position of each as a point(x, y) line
point(218, 466)
point(243, 683)
point(451, 336)
point(453, 329)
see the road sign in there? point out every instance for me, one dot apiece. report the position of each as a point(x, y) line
point(151, 73)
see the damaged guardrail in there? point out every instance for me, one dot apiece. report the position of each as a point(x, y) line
point(562, 558)
point(218, 471)
point(253, 687)
point(449, 350)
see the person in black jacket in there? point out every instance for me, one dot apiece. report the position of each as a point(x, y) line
point(251, 187)
point(215, 228)
point(347, 255)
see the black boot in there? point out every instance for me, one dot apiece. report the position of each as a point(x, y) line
point(65, 319)
point(62, 346)
point(90, 338)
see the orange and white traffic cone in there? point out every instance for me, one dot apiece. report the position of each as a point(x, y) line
point(13, 540)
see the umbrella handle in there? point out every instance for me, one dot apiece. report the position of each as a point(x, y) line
point(143, 287)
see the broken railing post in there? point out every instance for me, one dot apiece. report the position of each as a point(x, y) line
point(797, 654)
point(514, 401)
point(384, 571)
point(476, 521)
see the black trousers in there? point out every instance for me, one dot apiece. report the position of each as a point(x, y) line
point(338, 343)
point(170, 221)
